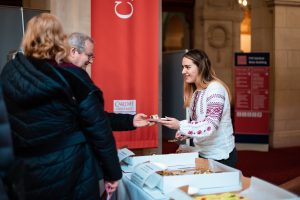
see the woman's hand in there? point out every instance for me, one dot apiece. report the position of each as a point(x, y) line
point(141, 120)
point(169, 122)
point(180, 137)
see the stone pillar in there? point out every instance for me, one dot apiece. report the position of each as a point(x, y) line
point(75, 15)
point(279, 34)
point(217, 31)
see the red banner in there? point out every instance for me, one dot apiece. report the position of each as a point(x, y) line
point(126, 35)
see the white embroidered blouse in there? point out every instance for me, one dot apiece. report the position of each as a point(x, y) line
point(210, 123)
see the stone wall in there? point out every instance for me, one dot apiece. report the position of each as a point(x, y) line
point(286, 72)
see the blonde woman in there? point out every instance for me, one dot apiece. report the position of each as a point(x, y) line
point(60, 134)
point(208, 101)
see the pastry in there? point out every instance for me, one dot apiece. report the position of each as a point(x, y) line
point(154, 117)
point(222, 196)
point(183, 172)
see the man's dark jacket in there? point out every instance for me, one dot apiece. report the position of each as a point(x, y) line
point(118, 121)
point(59, 129)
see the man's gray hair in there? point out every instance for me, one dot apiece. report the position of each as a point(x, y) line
point(77, 40)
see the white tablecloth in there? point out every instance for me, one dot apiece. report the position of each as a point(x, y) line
point(129, 191)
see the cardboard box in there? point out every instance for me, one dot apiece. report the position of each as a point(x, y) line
point(226, 178)
point(223, 179)
point(261, 190)
point(181, 159)
point(258, 190)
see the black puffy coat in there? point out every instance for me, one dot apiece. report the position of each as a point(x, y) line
point(60, 133)
point(6, 149)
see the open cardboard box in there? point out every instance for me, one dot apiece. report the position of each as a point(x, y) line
point(222, 179)
point(257, 190)
point(261, 190)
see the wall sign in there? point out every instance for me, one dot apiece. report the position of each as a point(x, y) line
point(125, 106)
point(251, 115)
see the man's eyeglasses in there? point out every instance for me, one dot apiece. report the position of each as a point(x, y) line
point(90, 56)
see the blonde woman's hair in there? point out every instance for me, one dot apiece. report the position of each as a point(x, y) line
point(206, 75)
point(45, 39)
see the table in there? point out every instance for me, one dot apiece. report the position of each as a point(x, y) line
point(127, 190)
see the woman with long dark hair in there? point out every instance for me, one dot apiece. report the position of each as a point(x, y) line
point(208, 101)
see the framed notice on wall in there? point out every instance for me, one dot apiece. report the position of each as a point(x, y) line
point(251, 109)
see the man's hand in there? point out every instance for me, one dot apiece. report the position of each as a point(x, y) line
point(110, 187)
point(140, 120)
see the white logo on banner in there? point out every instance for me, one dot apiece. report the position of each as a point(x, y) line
point(123, 16)
point(125, 106)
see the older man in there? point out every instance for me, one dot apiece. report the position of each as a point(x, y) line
point(81, 55)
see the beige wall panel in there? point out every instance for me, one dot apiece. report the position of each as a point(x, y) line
point(287, 80)
point(236, 39)
point(293, 124)
point(198, 24)
point(226, 76)
point(281, 59)
point(293, 60)
point(223, 15)
point(286, 105)
point(286, 125)
point(280, 17)
point(255, 4)
point(75, 15)
point(37, 4)
point(287, 39)
point(262, 18)
point(293, 16)
point(262, 40)
point(285, 139)
point(280, 125)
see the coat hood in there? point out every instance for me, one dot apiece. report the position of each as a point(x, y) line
point(31, 81)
